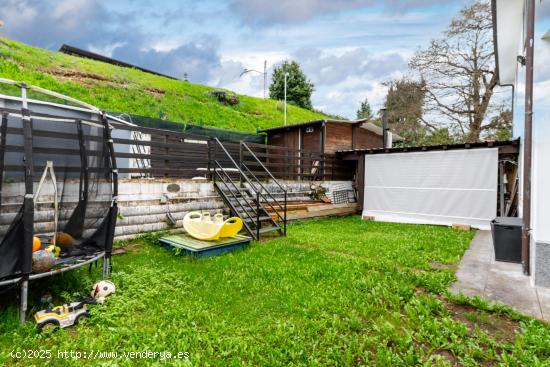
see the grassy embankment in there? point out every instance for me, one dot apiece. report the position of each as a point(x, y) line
point(115, 88)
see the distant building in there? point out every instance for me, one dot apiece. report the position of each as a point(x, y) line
point(329, 136)
point(75, 51)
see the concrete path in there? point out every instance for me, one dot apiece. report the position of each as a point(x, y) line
point(479, 274)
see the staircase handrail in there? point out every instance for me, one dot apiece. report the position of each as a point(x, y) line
point(283, 188)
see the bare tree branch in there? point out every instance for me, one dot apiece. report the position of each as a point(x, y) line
point(460, 78)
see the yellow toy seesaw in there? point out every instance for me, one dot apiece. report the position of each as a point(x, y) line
point(203, 227)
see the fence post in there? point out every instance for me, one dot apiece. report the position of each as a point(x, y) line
point(285, 215)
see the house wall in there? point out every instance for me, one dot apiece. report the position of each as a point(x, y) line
point(338, 137)
point(540, 181)
point(541, 160)
point(365, 139)
point(311, 138)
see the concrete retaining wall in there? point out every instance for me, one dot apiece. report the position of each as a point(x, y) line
point(143, 203)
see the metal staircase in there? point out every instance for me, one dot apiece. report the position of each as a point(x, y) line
point(244, 193)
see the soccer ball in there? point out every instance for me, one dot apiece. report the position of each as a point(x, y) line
point(102, 290)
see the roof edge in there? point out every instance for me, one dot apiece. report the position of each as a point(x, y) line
point(421, 148)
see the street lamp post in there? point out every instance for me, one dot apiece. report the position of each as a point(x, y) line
point(286, 75)
point(256, 71)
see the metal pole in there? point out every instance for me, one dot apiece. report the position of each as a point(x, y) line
point(241, 164)
point(24, 295)
point(285, 213)
point(527, 140)
point(501, 188)
point(384, 127)
point(286, 74)
point(258, 215)
point(106, 267)
point(28, 217)
point(265, 76)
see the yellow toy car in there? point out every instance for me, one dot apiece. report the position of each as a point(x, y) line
point(62, 316)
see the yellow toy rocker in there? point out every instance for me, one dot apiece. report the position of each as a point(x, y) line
point(204, 227)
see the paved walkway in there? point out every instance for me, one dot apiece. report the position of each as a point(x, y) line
point(479, 274)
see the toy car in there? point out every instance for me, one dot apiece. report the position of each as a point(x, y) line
point(62, 316)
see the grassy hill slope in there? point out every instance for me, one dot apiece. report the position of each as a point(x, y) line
point(115, 88)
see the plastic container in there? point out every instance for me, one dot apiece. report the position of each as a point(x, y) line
point(507, 238)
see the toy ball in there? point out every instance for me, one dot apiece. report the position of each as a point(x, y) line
point(102, 290)
point(42, 261)
point(36, 244)
point(63, 240)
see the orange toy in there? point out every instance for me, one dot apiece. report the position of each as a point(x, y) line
point(36, 244)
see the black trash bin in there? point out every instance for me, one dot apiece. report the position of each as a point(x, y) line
point(507, 238)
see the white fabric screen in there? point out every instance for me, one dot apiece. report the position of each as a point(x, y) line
point(433, 187)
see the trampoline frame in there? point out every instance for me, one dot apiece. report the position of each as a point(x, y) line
point(28, 203)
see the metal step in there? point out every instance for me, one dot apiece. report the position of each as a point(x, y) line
point(269, 229)
point(243, 199)
point(262, 218)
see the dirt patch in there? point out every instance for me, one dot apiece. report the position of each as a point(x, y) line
point(439, 266)
point(499, 327)
point(156, 92)
point(119, 251)
point(83, 77)
point(129, 248)
point(71, 74)
point(446, 354)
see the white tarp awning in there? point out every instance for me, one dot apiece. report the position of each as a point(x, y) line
point(509, 33)
point(433, 187)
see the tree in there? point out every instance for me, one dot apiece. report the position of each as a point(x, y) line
point(503, 126)
point(460, 77)
point(299, 88)
point(364, 111)
point(405, 108)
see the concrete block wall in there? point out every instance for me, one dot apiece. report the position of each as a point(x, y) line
point(144, 204)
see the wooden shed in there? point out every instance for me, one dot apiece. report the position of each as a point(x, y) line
point(329, 136)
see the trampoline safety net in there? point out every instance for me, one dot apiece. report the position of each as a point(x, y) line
point(57, 166)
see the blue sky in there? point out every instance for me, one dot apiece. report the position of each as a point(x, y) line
point(348, 48)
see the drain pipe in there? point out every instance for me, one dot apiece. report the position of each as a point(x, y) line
point(527, 140)
point(384, 127)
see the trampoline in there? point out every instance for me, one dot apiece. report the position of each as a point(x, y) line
point(75, 198)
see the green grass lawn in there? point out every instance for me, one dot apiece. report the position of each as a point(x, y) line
point(334, 292)
point(115, 88)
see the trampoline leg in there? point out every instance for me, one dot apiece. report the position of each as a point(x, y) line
point(106, 267)
point(23, 306)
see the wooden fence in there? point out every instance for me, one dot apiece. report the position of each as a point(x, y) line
point(165, 153)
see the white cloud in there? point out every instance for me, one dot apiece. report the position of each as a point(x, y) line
point(106, 50)
point(261, 13)
point(347, 47)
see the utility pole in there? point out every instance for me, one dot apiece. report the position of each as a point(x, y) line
point(256, 71)
point(265, 75)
